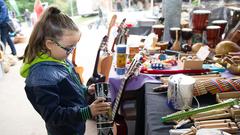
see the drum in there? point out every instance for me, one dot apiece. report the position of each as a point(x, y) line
point(213, 35)
point(174, 31)
point(186, 33)
point(158, 29)
point(221, 23)
point(200, 20)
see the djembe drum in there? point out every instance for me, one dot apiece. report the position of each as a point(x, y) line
point(200, 20)
point(199, 24)
point(213, 35)
point(174, 31)
point(186, 39)
point(158, 29)
point(187, 34)
point(221, 23)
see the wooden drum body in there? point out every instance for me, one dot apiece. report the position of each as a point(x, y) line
point(213, 35)
point(158, 29)
point(174, 31)
point(187, 33)
point(200, 20)
point(221, 23)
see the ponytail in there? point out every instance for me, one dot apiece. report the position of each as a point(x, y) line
point(51, 25)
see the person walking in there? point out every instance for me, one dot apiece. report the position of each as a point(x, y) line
point(27, 18)
point(52, 85)
point(4, 27)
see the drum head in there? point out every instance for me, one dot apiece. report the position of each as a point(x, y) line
point(201, 12)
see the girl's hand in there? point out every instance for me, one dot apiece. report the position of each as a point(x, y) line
point(99, 107)
point(91, 89)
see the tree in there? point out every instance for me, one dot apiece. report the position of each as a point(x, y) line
point(64, 5)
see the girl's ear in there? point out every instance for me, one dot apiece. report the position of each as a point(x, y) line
point(49, 44)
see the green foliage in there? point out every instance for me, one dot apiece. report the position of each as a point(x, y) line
point(195, 3)
point(64, 5)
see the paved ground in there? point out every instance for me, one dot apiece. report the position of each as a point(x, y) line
point(17, 116)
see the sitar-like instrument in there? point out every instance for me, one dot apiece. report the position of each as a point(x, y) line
point(121, 33)
point(106, 58)
point(96, 77)
point(118, 125)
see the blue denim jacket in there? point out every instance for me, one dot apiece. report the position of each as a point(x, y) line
point(4, 18)
point(56, 94)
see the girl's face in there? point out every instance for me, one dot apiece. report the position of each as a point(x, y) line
point(60, 49)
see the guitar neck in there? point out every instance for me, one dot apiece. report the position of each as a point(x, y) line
point(132, 68)
point(118, 98)
point(95, 70)
point(120, 33)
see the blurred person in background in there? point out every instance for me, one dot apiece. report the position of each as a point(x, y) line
point(4, 27)
point(119, 5)
point(27, 18)
point(38, 8)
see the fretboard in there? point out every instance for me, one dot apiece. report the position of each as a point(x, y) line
point(118, 98)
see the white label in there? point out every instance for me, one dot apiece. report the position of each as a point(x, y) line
point(203, 53)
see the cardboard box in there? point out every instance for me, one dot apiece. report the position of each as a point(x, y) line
point(188, 63)
point(192, 64)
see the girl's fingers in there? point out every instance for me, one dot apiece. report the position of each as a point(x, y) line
point(103, 108)
point(99, 99)
point(101, 112)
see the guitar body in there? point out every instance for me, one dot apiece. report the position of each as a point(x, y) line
point(79, 70)
point(120, 126)
point(105, 65)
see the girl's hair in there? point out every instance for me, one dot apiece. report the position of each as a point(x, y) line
point(51, 25)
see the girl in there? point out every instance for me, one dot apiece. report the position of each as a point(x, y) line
point(52, 85)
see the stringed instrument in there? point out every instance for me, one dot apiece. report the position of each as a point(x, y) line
point(106, 58)
point(78, 69)
point(96, 77)
point(121, 32)
point(115, 124)
point(119, 125)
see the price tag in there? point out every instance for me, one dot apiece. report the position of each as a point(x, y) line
point(203, 53)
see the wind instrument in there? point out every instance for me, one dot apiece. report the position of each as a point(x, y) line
point(185, 114)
